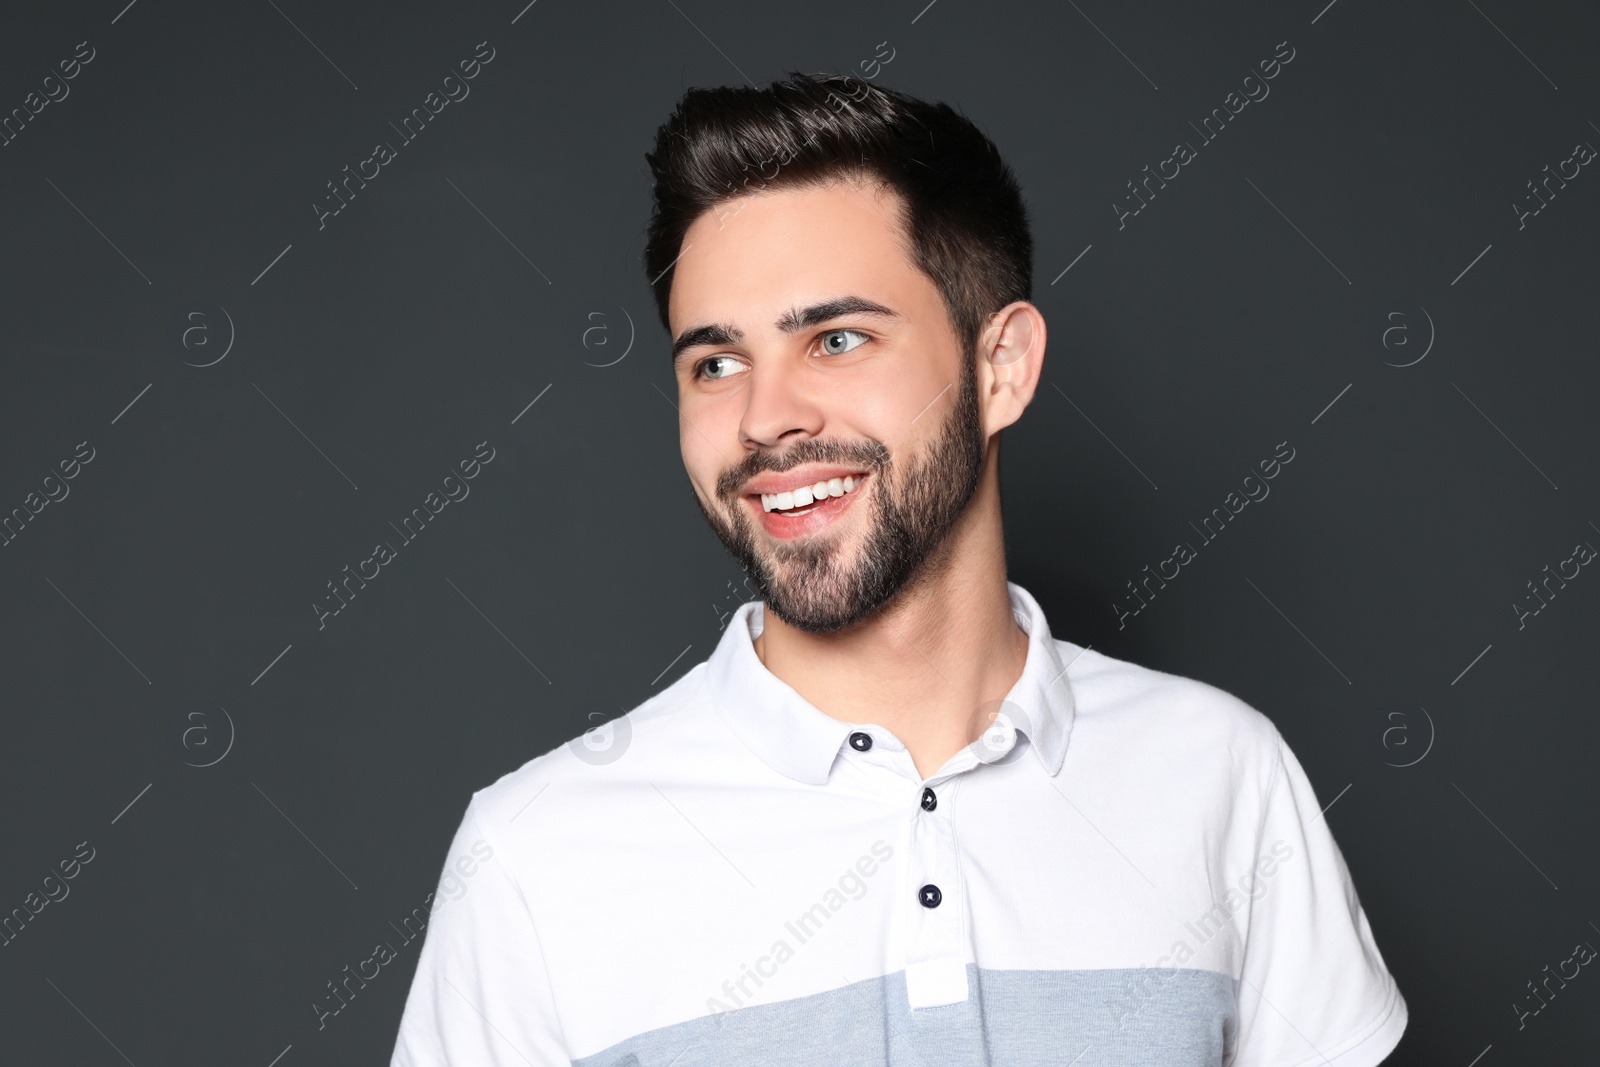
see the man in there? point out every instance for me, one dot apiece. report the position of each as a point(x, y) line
point(891, 819)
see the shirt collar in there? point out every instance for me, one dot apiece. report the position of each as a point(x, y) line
point(796, 739)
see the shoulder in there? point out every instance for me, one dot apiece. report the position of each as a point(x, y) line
point(1172, 716)
point(631, 749)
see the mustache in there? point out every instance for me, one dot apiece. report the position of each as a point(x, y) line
point(870, 455)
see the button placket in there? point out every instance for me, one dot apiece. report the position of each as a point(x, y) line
point(935, 903)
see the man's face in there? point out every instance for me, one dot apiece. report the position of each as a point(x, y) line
point(821, 361)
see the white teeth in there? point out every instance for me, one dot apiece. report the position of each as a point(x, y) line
point(807, 495)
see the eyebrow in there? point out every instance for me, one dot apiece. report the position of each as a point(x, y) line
point(792, 321)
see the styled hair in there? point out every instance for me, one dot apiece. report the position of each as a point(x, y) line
point(962, 209)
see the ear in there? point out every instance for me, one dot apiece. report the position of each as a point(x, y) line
point(1010, 358)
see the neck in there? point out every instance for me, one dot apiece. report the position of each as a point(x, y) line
point(930, 666)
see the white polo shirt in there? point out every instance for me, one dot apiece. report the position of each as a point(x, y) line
point(1128, 868)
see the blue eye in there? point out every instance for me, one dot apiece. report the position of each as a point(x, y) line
point(705, 368)
point(833, 341)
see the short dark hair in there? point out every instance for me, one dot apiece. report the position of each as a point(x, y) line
point(962, 208)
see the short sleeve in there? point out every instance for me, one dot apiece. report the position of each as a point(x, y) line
point(481, 995)
point(1315, 989)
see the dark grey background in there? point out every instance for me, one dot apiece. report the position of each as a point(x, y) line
point(160, 616)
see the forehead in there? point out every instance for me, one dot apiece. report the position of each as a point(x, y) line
point(771, 250)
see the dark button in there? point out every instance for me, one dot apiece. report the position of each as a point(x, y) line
point(929, 801)
point(860, 741)
point(930, 896)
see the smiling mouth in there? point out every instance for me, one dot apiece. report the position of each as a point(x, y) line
point(808, 498)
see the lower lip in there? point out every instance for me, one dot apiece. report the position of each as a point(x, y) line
point(819, 517)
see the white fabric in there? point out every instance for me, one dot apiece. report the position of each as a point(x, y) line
point(741, 852)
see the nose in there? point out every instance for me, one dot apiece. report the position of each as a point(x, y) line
point(778, 407)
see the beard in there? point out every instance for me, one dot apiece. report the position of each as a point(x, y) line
point(916, 503)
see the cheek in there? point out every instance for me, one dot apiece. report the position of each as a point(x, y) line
point(901, 396)
point(902, 414)
point(701, 459)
